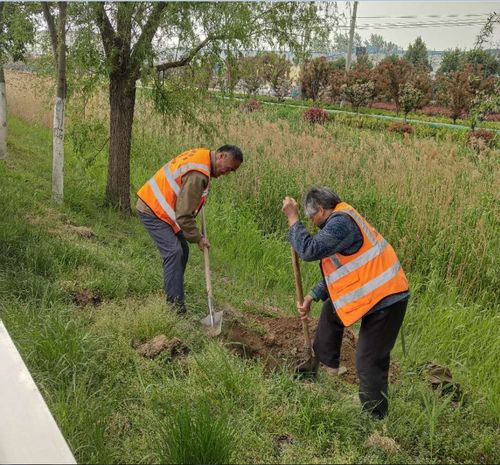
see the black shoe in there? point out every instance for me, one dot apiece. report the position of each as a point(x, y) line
point(179, 307)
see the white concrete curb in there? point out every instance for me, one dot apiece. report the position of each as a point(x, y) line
point(28, 432)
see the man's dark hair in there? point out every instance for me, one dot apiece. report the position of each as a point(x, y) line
point(319, 196)
point(232, 150)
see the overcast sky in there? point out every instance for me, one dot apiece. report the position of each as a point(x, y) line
point(454, 24)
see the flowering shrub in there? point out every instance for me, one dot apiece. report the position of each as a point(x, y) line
point(401, 128)
point(315, 115)
point(410, 98)
point(251, 105)
point(357, 93)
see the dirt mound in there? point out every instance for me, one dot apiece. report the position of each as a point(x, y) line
point(279, 341)
point(441, 380)
point(84, 297)
point(161, 345)
point(377, 441)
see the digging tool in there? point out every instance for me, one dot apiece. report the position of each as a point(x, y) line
point(213, 321)
point(310, 365)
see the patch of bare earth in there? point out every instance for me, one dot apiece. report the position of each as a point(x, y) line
point(85, 297)
point(82, 231)
point(279, 342)
point(59, 224)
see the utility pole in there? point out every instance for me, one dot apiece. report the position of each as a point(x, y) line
point(351, 36)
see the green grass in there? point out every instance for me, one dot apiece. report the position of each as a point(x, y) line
point(114, 406)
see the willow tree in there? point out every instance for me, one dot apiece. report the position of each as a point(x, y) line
point(137, 37)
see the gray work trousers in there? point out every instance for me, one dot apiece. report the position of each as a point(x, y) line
point(174, 251)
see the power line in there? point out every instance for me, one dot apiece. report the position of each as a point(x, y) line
point(424, 16)
point(400, 25)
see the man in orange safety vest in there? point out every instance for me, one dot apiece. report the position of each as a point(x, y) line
point(169, 202)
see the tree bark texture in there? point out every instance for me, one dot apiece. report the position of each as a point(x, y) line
point(122, 103)
point(3, 116)
point(58, 127)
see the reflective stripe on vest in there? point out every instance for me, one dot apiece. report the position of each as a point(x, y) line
point(357, 282)
point(370, 254)
point(161, 200)
point(368, 287)
point(161, 191)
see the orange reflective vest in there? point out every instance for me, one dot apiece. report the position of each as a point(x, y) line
point(359, 281)
point(161, 191)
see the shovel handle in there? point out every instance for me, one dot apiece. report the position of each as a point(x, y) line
point(299, 292)
point(206, 260)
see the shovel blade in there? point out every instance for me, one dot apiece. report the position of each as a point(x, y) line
point(216, 328)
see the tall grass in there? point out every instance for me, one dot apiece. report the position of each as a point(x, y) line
point(196, 432)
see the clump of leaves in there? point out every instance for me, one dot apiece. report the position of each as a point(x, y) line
point(480, 139)
point(315, 115)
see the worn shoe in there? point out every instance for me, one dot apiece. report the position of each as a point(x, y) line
point(335, 371)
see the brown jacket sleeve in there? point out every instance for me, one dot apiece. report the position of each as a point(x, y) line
point(193, 185)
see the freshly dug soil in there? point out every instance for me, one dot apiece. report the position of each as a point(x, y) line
point(84, 297)
point(279, 341)
point(160, 345)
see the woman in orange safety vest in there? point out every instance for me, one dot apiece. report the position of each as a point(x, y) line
point(362, 281)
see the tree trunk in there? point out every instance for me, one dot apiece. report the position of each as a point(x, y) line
point(58, 152)
point(58, 128)
point(122, 103)
point(3, 117)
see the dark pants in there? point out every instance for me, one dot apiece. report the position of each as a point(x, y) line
point(377, 337)
point(174, 250)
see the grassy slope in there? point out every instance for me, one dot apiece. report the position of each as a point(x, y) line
point(114, 406)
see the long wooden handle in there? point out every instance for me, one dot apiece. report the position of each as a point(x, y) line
point(299, 292)
point(208, 278)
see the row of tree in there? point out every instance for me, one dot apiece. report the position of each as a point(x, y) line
point(404, 81)
point(163, 44)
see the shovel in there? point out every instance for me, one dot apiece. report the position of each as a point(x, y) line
point(213, 321)
point(310, 365)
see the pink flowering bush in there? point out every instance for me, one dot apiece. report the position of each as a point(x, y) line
point(315, 115)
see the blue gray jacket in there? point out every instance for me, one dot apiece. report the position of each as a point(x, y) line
point(339, 233)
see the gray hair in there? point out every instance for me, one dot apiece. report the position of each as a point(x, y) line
point(319, 196)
